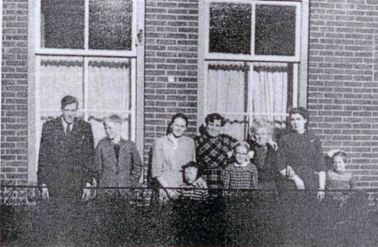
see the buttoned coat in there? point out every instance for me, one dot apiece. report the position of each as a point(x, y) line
point(66, 160)
point(124, 173)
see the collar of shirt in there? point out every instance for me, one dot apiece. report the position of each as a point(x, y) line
point(174, 140)
point(65, 124)
point(244, 164)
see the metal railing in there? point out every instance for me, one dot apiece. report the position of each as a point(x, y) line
point(135, 217)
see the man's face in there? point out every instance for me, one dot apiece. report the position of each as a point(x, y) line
point(112, 130)
point(191, 174)
point(262, 136)
point(214, 128)
point(69, 112)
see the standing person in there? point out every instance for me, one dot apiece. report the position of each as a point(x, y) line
point(171, 152)
point(66, 155)
point(301, 151)
point(213, 150)
point(265, 154)
point(300, 159)
point(117, 161)
point(118, 165)
point(241, 174)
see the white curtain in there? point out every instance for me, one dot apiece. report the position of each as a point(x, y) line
point(227, 95)
point(109, 91)
point(270, 89)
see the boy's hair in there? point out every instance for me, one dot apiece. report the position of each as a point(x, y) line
point(241, 144)
point(341, 154)
point(188, 165)
point(67, 100)
point(261, 123)
point(114, 118)
point(214, 116)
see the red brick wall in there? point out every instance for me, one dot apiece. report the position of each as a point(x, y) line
point(14, 92)
point(171, 50)
point(342, 91)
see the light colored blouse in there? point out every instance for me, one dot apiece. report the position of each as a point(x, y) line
point(169, 156)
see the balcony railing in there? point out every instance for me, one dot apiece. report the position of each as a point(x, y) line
point(135, 217)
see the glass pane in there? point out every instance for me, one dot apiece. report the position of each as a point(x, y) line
point(110, 24)
point(227, 80)
point(275, 30)
point(58, 77)
point(230, 28)
point(62, 24)
point(109, 85)
point(96, 119)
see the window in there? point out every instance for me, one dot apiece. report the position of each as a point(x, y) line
point(252, 56)
point(93, 50)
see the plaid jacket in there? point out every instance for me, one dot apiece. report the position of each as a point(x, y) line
point(211, 152)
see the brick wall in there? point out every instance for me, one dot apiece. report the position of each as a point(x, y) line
point(14, 92)
point(171, 50)
point(343, 86)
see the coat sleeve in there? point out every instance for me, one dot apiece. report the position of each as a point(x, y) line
point(157, 159)
point(322, 167)
point(281, 156)
point(98, 163)
point(136, 164)
point(226, 178)
point(87, 151)
point(44, 153)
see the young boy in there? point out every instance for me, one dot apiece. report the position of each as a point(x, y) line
point(117, 161)
point(338, 178)
point(241, 174)
point(194, 187)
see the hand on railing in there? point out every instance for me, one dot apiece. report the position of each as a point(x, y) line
point(45, 192)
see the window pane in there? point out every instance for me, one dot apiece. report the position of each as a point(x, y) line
point(230, 28)
point(110, 24)
point(62, 24)
point(275, 30)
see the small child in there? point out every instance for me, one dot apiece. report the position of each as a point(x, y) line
point(194, 187)
point(338, 178)
point(241, 174)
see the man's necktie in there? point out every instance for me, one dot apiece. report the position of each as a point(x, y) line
point(68, 129)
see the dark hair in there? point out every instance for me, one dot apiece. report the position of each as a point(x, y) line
point(188, 165)
point(67, 100)
point(214, 116)
point(303, 112)
point(174, 117)
point(341, 154)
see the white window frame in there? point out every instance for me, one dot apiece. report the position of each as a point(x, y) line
point(136, 55)
point(299, 60)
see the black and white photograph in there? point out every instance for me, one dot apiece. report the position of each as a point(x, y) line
point(189, 123)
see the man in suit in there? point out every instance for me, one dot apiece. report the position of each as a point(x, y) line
point(117, 161)
point(65, 166)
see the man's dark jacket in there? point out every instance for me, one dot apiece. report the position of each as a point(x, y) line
point(66, 160)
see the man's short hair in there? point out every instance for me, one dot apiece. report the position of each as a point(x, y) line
point(214, 116)
point(114, 118)
point(67, 100)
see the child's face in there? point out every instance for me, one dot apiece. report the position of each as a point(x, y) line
point(339, 164)
point(241, 154)
point(190, 174)
point(112, 130)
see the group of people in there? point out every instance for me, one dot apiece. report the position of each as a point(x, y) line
point(210, 164)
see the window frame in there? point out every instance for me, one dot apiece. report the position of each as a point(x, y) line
point(300, 60)
point(136, 55)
